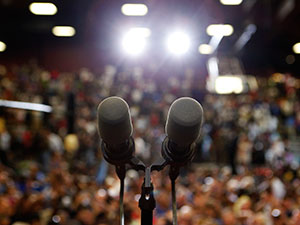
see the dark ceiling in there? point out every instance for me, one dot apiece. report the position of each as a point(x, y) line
point(99, 24)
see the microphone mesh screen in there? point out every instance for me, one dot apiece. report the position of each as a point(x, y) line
point(184, 121)
point(114, 122)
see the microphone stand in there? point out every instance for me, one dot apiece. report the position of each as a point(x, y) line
point(147, 201)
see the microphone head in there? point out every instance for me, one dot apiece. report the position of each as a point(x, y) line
point(184, 121)
point(114, 122)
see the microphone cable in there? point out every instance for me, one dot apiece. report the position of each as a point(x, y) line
point(121, 204)
point(174, 205)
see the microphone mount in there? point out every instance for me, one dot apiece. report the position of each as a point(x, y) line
point(176, 155)
point(127, 161)
point(118, 155)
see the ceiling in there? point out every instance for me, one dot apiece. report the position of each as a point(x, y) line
point(99, 25)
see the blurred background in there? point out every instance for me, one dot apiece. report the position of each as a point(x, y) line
point(238, 58)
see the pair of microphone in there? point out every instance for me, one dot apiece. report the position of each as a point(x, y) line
point(182, 129)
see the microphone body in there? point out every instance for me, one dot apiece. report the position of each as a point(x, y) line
point(183, 127)
point(115, 130)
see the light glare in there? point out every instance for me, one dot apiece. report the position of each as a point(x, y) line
point(205, 49)
point(140, 31)
point(231, 2)
point(43, 8)
point(134, 41)
point(228, 84)
point(63, 31)
point(26, 105)
point(296, 48)
point(219, 30)
point(134, 9)
point(178, 43)
point(2, 46)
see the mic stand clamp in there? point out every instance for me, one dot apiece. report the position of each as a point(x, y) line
point(147, 202)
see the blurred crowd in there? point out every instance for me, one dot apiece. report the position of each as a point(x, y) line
point(52, 172)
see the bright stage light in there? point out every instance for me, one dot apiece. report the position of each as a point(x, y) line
point(43, 8)
point(134, 41)
point(178, 43)
point(219, 30)
point(231, 2)
point(63, 31)
point(134, 9)
point(228, 84)
point(205, 49)
point(2, 46)
point(296, 48)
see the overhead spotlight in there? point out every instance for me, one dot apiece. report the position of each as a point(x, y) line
point(219, 30)
point(178, 43)
point(2, 46)
point(231, 2)
point(205, 49)
point(296, 48)
point(43, 8)
point(134, 41)
point(134, 9)
point(63, 31)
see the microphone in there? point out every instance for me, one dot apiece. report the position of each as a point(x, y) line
point(115, 130)
point(183, 127)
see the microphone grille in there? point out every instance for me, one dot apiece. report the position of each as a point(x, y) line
point(114, 122)
point(184, 121)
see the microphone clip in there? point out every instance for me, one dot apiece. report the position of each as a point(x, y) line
point(116, 156)
point(175, 155)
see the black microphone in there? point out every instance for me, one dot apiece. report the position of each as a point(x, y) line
point(183, 127)
point(115, 130)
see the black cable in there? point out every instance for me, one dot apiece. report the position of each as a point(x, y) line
point(122, 220)
point(174, 205)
